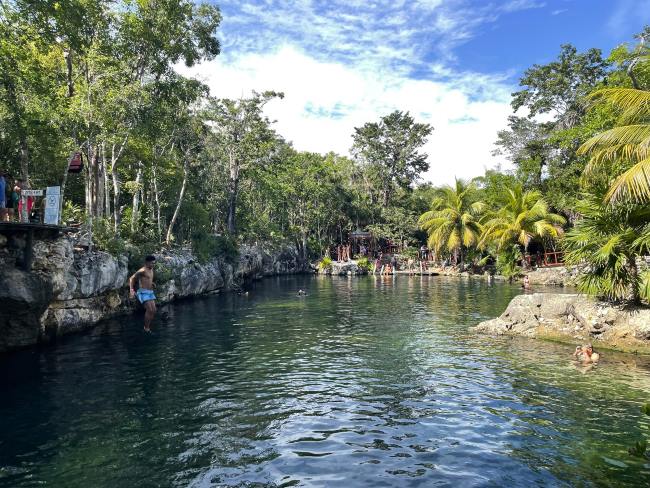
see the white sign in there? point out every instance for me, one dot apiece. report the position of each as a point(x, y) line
point(31, 193)
point(52, 205)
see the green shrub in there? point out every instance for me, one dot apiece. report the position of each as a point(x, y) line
point(105, 239)
point(411, 252)
point(364, 263)
point(72, 214)
point(208, 246)
point(507, 260)
point(325, 264)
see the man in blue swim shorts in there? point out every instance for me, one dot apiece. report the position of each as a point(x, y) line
point(144, 278)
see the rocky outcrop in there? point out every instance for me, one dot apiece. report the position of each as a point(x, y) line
point(343, 268)
point(256, 262)
point(24, 297)
point(71, 289)
point(573, 318)
point(554, 276)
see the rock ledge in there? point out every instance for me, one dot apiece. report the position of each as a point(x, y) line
point(573, 318)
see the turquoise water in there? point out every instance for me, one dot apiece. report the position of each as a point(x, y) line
point(365, 382)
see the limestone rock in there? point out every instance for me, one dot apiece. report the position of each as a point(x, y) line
point(345, 269)
point(572, 317)
point(24, 297)
point(71, 288)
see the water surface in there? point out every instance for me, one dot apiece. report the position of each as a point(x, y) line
point(365, 382)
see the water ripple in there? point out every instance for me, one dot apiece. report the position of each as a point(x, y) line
point(365, 382)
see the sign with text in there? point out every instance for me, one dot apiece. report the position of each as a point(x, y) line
point(52, 205)
point(31, 193)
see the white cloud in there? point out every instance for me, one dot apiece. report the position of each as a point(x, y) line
point(324, 101)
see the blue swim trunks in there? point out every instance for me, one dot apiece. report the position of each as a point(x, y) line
point(145, 295)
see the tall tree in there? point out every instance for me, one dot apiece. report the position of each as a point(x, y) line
point(453, 221)
point(242, 139)
point(559, 86)
point(389, 149)
point(522, 216)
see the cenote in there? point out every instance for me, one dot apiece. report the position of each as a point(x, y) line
point(364, 382)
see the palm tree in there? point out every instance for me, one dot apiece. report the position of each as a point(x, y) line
point(523, 216)
point(453, 221)
point(609, 239)
point(629, 143)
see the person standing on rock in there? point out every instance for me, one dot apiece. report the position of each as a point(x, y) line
point(144, 278)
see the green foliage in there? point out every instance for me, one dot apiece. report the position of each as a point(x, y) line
point(325, 264)
point(453, 221)
point(72, 214)
point(410, 252)
point(507, 259)
point(522, 216)
point(207, 247)
point(609, 238)
point(364, 263)
point(389, 151)
point(106, 240)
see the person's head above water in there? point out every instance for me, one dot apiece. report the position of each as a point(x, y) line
point(149, 261)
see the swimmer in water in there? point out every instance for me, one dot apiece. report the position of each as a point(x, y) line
point(302, 293)
point(586, 354)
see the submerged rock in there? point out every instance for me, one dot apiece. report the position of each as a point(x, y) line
point(574, 318)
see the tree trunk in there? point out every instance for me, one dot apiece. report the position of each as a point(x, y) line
point(116, 198)
point(136, 199)
point(157, 200)
point(186, 170)
point(117, 212)
point(100, 179)
point(233, 185)
point(635, 295)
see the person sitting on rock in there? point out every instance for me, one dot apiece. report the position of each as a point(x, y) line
point(586, 354)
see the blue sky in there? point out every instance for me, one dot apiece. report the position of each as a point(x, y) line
point(452, 63)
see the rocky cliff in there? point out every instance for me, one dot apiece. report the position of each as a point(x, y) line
point(70, 289)
point(573, 318)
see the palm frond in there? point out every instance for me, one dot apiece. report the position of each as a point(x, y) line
point(633, 184)
point(627, 134)
point(634, 103)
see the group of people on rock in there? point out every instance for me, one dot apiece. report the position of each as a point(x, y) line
point(343, 252)
point(11, 204)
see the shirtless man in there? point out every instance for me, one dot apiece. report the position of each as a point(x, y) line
point(144, 277)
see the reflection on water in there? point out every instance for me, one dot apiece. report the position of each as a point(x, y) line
point(365, 382)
